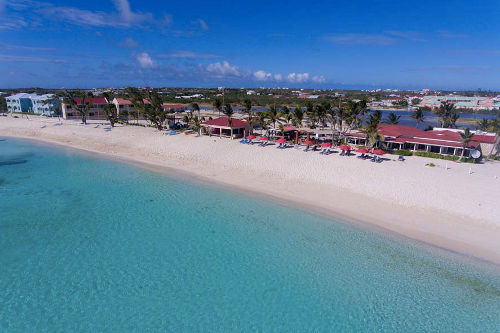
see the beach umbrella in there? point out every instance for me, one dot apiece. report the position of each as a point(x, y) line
point(263, 138)
point(378, 151)
point(326, 144)
point(345, 147)
point(309, 143)
point(362, 150)
point(282, 140)
point(251, 137)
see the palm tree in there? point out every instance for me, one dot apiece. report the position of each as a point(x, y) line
point(79, 101)
point(448, 115)
point(332, 118)
point(483, 124)
point(495, 126)
point(466, 138)
point(298, 116)
point(392, 118)
point(419, 117)
point(247, 106)
point(272, 115)
point(217, 105)
point(196, 108)
point(228, 111)
point(371, 129)
point(111, 113)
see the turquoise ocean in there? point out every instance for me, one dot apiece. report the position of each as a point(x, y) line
point(94, 245)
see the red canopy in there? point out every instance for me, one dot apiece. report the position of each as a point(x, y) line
point(362, 150)
point(282, 140)
point(251, 137)
point(345, 147)
point(378, 151)
point(326, 144)
point(263, 138)
point(308, 143)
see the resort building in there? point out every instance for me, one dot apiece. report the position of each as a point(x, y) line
point(226, 127)
point(95, 111)
point(462, 102)
point(439, 141)
point(33, 103)
point(125, 108)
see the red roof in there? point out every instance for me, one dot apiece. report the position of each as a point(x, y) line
point(402, 134)
point(100, 100)
point(222, 122)
point(126, 101)
point(123, 101)
point(484, 138)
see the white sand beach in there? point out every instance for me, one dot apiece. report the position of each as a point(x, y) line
point(450, 208)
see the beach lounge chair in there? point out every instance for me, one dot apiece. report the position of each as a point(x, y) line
point(307, 148)
point(342, 153)
point(362, 156)
point(243, 141)
point(373, 159)
point(401, 158)
point(379, 160)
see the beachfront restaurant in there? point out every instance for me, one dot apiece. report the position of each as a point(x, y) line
point(226, 127)
point(440, 141)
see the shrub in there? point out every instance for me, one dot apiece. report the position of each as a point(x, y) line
point(402, 152)
point(432, 165)
point(435, 155)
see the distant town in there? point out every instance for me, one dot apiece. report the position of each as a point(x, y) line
point(45, 101)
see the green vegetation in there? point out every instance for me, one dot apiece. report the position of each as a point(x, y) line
point(418, 115)
point(435, 155)
point(392, 118)
point(402, 152)
point(3, 105)
point(83, 107)
point(447, 115)
point(432, 165)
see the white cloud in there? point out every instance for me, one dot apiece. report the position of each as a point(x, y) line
point(129, 42)
point(123, 17)
point(262, 75)
point(17, 58)
point(145, 60)
point(223, 69)
point(202, 24)
point(298, 77)
point(318, 79)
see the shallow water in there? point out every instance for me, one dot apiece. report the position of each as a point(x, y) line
point(94, 245)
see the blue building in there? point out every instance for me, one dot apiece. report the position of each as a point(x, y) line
point(33, 103)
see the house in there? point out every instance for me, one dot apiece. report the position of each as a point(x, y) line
point(95, 111)
point(32, 103)
point(439, 141)
point(226, 127)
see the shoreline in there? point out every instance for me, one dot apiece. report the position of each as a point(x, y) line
point(435, 227)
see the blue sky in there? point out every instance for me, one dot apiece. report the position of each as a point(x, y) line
point(451, 44)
